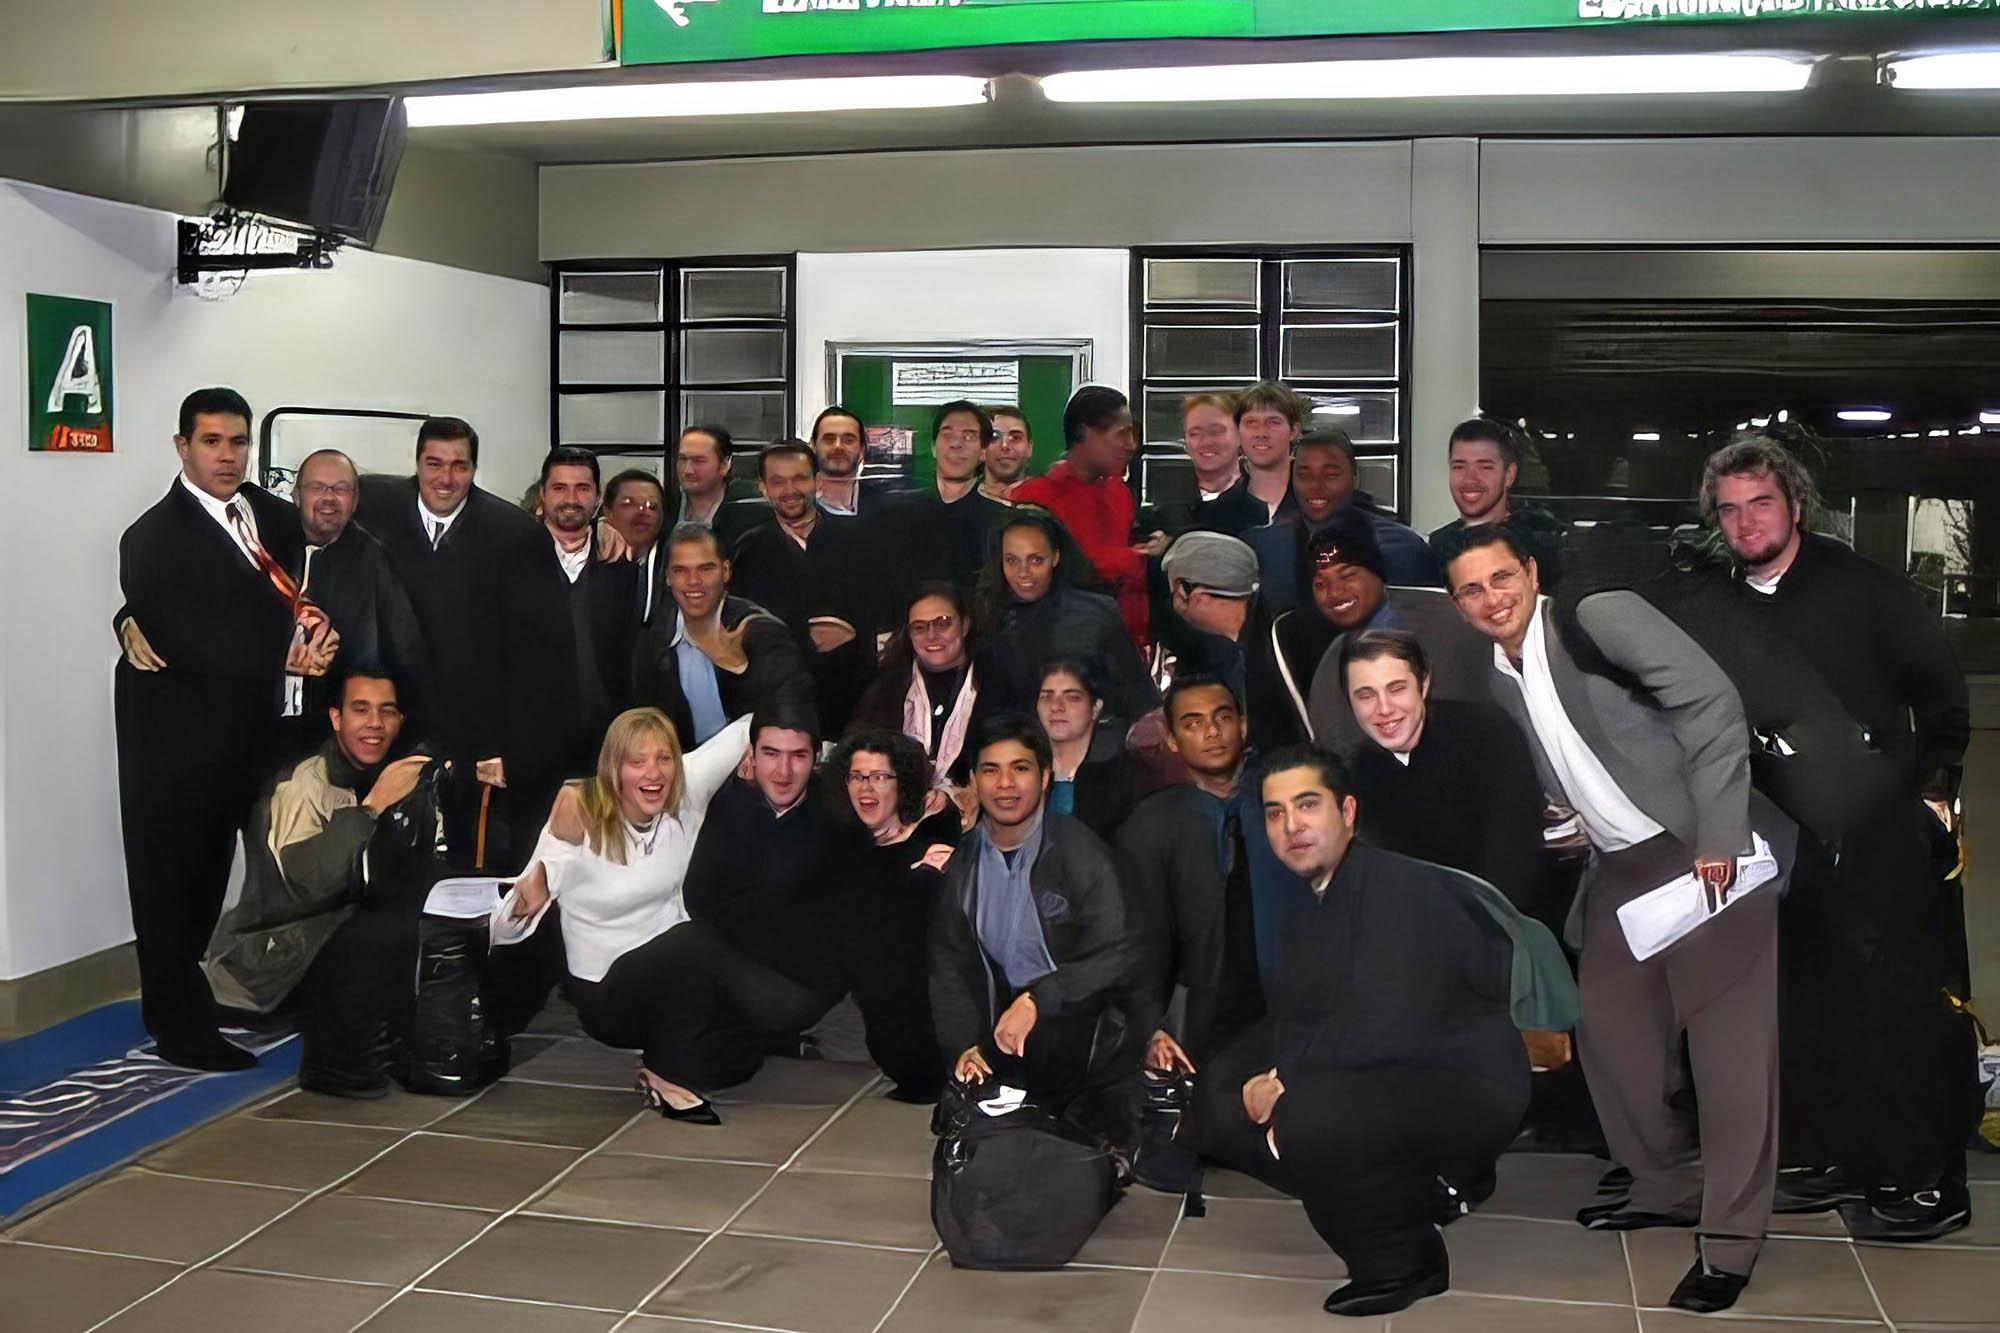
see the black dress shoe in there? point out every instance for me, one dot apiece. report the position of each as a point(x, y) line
point(1386, 1296)
point(1811, 1189)
point(1619, 1215)
point(208, 1053)
point(1905, 1217)
point(1705, 1290)
point(701, 1113)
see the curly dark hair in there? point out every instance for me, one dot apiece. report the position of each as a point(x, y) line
point(907, 761)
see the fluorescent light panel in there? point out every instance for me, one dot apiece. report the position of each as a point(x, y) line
point(1863, 414)
point(1961, 69)
point(748, 97)
point(1496, 76)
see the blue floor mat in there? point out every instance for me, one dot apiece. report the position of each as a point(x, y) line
point(87, 1094)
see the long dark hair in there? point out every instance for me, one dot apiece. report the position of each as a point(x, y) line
point(1073, 567)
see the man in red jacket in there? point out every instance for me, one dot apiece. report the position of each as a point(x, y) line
point(1087, 491)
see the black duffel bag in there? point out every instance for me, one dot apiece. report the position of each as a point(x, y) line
point(1017, 1191)
point(454, 1046)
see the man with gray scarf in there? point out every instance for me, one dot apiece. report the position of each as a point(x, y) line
point(1038, 967)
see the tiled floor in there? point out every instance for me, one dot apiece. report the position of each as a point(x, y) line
point(551, 1204)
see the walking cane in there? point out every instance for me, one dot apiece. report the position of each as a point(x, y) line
point(479, 838)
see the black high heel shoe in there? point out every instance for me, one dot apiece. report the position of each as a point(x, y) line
point(701, 1113)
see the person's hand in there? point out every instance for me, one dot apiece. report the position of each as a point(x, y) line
point(937, 856)
point(968, 807)
point(1165, 1054)
point(935, 802)
point(395, 782)
point(1946, 816)
point(315, 655)
point(1148, 735)
point(1260, 1097)
point(746, 767)
point(829, 633)
point(531, 892)
point(972, 1067)
point(492, 772)
point(139, 654)
point(725, 648)
point(1010, 1034)
point(1155, 544)
point(611, 543)
point(1717, 874)
point(1546, 1050)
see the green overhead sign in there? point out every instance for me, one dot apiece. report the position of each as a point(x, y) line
point(656, 32)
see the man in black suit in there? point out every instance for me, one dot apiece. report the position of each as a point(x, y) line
point(486, 587)
point(210, 571)
point(943, 532)
point(602, 600)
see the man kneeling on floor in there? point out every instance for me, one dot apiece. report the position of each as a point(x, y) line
point(1035, 966)
point(340, 855)
point(1389, 1074)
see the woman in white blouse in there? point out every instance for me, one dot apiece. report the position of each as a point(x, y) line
point(643, 975)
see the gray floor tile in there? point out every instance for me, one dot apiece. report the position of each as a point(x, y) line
point(1983, 1165)
point(1213, 1302)
point(768, 1134)
point(1547, 1261)
point(1826, 1226)
point(157, 1217)
point(358, 1240)
point(1545, 1185)
point(429, 1312)
point(1806, 1279)
point(1075, 1300)
point(272, 1152)
point(568, 1262)
point(529, 1113)
point(580, 1061)
point(1253, 1238)
point(878, 1136)
point(212, 1299)
point(657, 1191)
point(438, 1168)
point(56, 1291)
point(800, 1083)
point(398, 1110)
point(1675, 1321)
point(1134, 1233)
point(1924, 1285)
point(864, 1210)
point(557, 1019)
point(1984, 1228)
point(1455, 1312)
point(788, 1284)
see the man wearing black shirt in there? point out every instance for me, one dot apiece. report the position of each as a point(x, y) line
point(1485, 463)
point(944, 532)
point(602, 600)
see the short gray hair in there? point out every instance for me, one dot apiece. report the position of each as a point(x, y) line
point(1756, 454)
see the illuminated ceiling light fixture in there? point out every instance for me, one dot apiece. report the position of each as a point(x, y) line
point(1863, 414)
point(1989, 418)
point(1338, 410)
point(747, 97)
point(1760, 422)
point(1487, 76)
point(1645, 437)
point(1965, 70)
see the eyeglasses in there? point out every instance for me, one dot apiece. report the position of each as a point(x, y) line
point(870, 779)
point(644, 506)
point(1500, 582)
point(924, 628)
point(341, 489)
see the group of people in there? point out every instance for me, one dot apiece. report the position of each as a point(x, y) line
point(1254, 806)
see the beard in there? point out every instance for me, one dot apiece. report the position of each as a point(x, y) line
point(1762, 554)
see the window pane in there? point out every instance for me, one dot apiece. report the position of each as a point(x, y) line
point(610, 358)
point(613, 418)
point(1339, 351)
point(1209, 283)
point(1194, 351)
point(1368, 416)
point(733, 293)
point(1378, 477)
point(753, 418)
point(722, 356)
point(1342, 284)
point(610, 298)
point(1167, 479)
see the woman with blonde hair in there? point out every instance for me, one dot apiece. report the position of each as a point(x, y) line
point(641, 974)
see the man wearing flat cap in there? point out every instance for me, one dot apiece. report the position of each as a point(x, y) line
point(1213, 587)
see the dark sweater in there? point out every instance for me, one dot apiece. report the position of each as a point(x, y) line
point(759, 879)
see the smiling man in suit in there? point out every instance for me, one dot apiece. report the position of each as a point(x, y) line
point(211, 572)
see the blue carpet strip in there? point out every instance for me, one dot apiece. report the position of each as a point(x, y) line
point(87, 1094)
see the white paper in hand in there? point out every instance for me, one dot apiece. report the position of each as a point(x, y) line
point(1668, 914)
point(467, 899)
point(1004, 1101)
point(503, 927)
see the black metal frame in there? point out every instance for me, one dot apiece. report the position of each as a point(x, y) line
point(1269, 318)
point(378, 414)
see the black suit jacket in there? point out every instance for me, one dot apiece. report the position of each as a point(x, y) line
point(609, 590)
point(223, 631)
point(353, 581)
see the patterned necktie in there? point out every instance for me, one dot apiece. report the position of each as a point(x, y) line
point(304, 610)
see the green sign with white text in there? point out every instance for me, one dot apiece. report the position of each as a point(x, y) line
point(653, 32)
point(69, 374)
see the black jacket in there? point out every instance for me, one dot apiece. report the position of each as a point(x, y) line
point(353, 581)
point(604, 618)
point(1102, 955)
point(829, 576)
point(761, 880)
point(1108, 783)
point(1067, 623)
point(775, 677)
point(918, 537)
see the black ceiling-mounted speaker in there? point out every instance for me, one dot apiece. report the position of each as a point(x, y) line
point(325, 164)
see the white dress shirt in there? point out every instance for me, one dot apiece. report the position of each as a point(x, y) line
point(436, 525)
point(608, 908)
point(219, 511)
point(572, 562)
point(1609, 817)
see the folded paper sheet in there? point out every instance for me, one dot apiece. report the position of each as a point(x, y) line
point(1666, 915)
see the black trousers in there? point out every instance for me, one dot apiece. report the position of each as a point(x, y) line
point(1362, 1149)
point(356, 1000)
point(884, 965)
point(1879, 1069)
point(701, 1013)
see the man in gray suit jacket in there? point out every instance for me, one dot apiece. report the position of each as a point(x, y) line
point(1645, 739)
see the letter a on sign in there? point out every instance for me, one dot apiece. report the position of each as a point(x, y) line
point(70, 382)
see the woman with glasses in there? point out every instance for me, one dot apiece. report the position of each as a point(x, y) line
point(885, 865)
point(929, 688)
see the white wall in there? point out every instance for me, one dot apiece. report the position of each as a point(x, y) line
point(373, 332)
point(937, 295)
